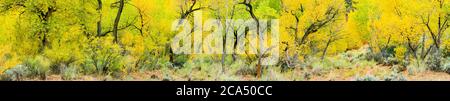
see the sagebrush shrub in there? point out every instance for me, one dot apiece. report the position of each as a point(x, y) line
point(70, 73)
point(394, 76)
point(38, 66)
point(16, 73)
point(105, 58)
point(367, 78)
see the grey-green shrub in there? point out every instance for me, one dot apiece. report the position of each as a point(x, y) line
point(367, 78)
point(17, 73)
point(104, 59)
point(394, 76)
point(416, 67)
point(38, 66)
point(70, 73)
point(446, 65)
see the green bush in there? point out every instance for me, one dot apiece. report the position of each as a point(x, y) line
point(394, 76)
point(390, 61)
point(16, 73)
point(385, 57)
point(319, 67)
point(446, 66)
point(355, 55)
point(150, 61)
point(104, 58)
point(367, 78)
point(88, 67)
point(38, 66)
point(179, 60)
point(374, 57)
point(234, 67)
point(436, 62)
point(341, 63)
point(61, 56)
point(416, 66)
point(245, 69)
point(328, 64)
point(70, 73)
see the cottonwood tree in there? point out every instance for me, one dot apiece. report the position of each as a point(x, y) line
point(260, 12)
point(224, 11)
point(302, 20)
point(42, 11)
point(250, 10)
point(407, 30)
point(436, 20)
point(334, 34)
point(186, 10)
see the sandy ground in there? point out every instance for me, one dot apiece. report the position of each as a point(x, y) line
point(333, 75)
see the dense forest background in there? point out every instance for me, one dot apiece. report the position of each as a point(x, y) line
point(130, 40)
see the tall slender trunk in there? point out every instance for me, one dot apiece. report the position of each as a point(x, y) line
point(326, 48)
point(261, 44)
point(99, 22)
point(117, 20)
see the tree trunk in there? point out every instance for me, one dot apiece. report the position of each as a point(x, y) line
point(326, 48)
point(117, 20)
point(45, 17)
point(261, 45)
point(99, 22)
